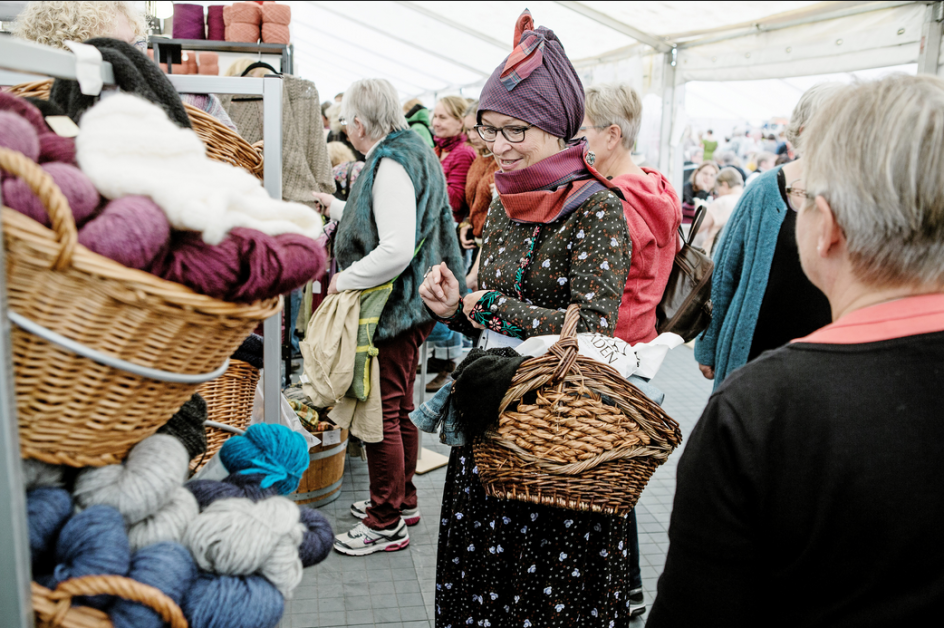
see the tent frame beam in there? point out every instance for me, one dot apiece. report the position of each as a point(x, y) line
point(660, 44)
point(452, 24)
point(931, 32)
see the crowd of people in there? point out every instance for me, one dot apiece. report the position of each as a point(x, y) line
point(814, 469)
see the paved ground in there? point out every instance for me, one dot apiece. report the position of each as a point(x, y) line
point(396, 590)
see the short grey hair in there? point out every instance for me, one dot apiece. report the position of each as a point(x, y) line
point(811, 101)
point(728, 158)
point(375, 103)
point(875, 152)
point(615, 104)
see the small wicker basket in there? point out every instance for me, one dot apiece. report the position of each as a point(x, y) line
point(78, 410)
point(54, 609)
point(222, 143)
point(229, 400)
point(585, 440)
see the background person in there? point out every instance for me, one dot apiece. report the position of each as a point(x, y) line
point(417, 116)
point(396, 223)
point(820, 463)
point(765, 161)
point(728, 190)
point(480, 182)
point(698, 189)
point(761, 299)
point(453, 151)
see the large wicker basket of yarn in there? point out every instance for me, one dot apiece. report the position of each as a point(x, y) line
point(229, 400)
point(573, 433)
point(77, 410)
point(54, 609)
point(222, 143)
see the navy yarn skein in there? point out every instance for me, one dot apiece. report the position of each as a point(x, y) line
point(166, 566)
point(272, 450)
point(232, 602)
point(234, 485)
point(318, 540)
point(47, 510)
point(92, 543)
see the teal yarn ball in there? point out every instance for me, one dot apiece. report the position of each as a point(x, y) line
point(232, 602)
point(274, 451)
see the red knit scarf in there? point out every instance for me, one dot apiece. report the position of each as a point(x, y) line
point(550, 189)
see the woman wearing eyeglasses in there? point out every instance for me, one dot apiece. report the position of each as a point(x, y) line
point(556, 235)
point(760, 297)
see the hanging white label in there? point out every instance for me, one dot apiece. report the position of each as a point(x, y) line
point(332, 437)
point(63, 126)
point(88, 68)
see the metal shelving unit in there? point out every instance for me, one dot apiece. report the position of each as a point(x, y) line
point(285, 51)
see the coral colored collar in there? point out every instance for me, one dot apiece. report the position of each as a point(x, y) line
point(910, 316)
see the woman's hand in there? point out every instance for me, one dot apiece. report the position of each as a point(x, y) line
point(440, 291)
point(468, 302)
point(324, 203)
point(333, 286)
point(465, 237)
point(707, 371)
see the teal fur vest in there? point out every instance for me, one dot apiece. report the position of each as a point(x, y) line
point(357, 232)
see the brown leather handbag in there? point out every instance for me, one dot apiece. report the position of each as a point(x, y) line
point(685, 308)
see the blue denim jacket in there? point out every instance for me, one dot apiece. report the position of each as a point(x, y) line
point(438, 415)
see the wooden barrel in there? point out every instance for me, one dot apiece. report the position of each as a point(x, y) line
point(321, 483)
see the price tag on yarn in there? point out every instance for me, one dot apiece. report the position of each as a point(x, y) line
point(332, 437)
point(63, 126)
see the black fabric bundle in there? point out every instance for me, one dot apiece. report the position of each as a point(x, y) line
point(481, 381)
point(187, 426)
point(134, 73)
point(251, 351)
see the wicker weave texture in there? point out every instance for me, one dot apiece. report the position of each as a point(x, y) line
point(72, 410)
point(54, 608)
point(573, 433)
point(222, 143)
point(229, 400)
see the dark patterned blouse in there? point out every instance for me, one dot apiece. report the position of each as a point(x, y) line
point(533, 272)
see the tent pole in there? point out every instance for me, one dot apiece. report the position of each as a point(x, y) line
point(931, 39)
point(668, 112)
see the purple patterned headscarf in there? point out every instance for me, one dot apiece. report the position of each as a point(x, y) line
point(536, 83)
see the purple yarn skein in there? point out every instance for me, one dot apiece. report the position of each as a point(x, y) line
point(317, 542)
point(82, 196)
point(234, 485)
point(188, 21)
point(16, 133)
point(131, 230)
point(216, 26)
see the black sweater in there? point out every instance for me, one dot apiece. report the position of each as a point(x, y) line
point(811, 492)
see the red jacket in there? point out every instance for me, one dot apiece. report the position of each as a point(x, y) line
point(654, 214)
point(456, 168)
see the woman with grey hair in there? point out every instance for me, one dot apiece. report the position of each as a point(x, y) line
point(396, 222)
point(819, 465)
point(760, 296)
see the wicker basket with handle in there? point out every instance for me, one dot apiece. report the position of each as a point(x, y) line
point(573, 433)
point(222, 143)
point(229, 400)
point(54, 609)
point(147, 343)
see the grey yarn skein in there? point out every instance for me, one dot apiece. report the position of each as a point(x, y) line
point(167, 524)
point(37, 474)
point(236, 537)
point(140, 487)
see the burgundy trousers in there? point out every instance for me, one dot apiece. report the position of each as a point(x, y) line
point(391, 463)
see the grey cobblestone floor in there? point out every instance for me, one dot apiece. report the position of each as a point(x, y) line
point(396, 590)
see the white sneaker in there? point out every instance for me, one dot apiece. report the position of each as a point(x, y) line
point(410, 515)
point(362, 540)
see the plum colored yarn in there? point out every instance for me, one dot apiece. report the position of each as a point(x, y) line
point(92, 542)
point(236, 537)
point(82, 196)
point(275, 451)
point(53, 148)
point(235, 485)
point(232, 602)
point(165, 566)
point(188, 21)
point(18, 134)
point(131, 230)
point(37, 474)
point(246, 266)
point(318, 539)
point(47, 510)
point(187, 423)
point(215, 24)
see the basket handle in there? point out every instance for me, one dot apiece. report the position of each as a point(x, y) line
point(52, 198)
point(121, 586)
point(566, 348)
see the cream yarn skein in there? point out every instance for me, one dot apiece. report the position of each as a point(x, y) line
point(167, 524)
point(236, 537)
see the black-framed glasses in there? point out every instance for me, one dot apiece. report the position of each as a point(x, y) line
point(513, 133)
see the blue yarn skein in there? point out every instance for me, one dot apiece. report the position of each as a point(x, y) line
point(167, 566)
point(232, 602)
point(47, 510)
point(272, 450)
point(93, 542)
point(318, 540)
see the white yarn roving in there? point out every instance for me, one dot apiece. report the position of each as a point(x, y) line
point(147, 490)
point(37, 474)
point(236, 537)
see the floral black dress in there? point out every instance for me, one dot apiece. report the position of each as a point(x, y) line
point(507, 563)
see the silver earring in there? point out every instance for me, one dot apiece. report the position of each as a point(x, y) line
point(591, 158)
